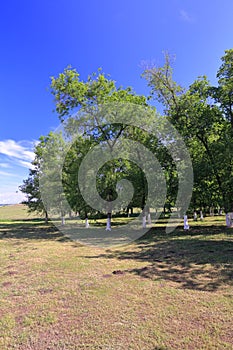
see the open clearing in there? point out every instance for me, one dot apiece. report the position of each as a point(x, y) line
point(161, 292)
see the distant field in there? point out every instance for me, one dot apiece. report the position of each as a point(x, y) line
point(161, 292)
point(15, 212)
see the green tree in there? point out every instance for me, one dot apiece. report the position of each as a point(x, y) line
point(223, 93)
point(30, 188)
point(83, 106)
point(43, 187)
point(73, 159)
point(203, 116)
point(53, 149)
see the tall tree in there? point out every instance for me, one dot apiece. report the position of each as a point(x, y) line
point(31, 186)
point(43, 187)
point(31, 189)
point(204, 125)
point(53, 149)
point(93, 100)
point(223, 93)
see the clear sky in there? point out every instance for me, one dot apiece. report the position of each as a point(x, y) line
point(40, 38)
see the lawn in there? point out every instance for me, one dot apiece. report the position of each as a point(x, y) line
point(161, 292)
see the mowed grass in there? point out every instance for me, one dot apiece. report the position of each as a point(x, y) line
point(161, 292)
point(15, 212)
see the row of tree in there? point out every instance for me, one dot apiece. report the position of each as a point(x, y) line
point(202, 114)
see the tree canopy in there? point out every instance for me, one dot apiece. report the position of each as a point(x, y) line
point(202, 114)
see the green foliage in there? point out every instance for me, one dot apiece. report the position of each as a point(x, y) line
point(203, 116)
point(223, 93)
point(82, 106)
point(30, 186)
point(71, 94)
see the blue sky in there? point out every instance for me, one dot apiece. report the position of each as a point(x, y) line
point(40, 38)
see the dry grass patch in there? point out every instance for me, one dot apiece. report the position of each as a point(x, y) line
point(161, 292)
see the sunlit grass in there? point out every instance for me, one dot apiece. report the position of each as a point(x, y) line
point(161, 292)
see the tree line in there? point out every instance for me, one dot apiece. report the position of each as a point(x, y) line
point(201, 113)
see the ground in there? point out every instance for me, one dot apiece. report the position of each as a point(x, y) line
point(161, 292)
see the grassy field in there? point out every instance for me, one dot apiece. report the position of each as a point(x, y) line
point(161, 292)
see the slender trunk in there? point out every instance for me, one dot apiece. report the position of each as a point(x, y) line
point(143, 218)
point(46, 217)
point(86, 222)
point(164, 210)
point(229, 219)
point(109, 217)
point(143, 200)
point(86, 218)
point(215, 169)
point(186, 224)
point(109, 212)
point(211, 211)
point(201, 215)
point(149, 217)
point(62, 215)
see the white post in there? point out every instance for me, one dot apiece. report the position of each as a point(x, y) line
point(108, 227)
point(186, 224)
point(201, 215)
point(86, 223)
point(149, 219)
point(195, 216)
point(229, 219)
point(144, 222)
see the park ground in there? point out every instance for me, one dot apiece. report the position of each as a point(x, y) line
point(164, 291)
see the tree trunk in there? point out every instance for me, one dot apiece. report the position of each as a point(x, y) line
point(186, 224)
point(86, 222)
point(149, 217)
point(86, 218)
point(109, 211)
point(46, 217)
point(144, 218)
point(108, 226)
point(201, 215)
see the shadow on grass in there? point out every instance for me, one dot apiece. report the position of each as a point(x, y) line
point(30, 229)
point(200, 260)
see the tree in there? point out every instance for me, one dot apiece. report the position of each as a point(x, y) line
point(53, 149)
point(203, 116)
point(43, 186)
point(71, 165)
point(223, 93)
point(31, 188)
point(93, 102)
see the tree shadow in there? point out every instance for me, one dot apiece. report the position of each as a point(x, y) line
point(191, 261)
point(30, 229)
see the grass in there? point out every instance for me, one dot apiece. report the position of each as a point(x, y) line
point(161, 292)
